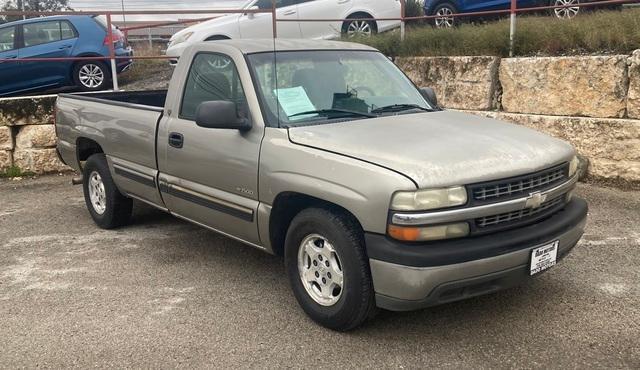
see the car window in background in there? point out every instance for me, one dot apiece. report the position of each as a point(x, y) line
point(266, 4)
point(7, 38)
point(45, 32)
point(67, 30)
point(362, 82)
point(212, 77)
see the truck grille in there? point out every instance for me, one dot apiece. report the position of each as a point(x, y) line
point(511, 188)
point(522, 216)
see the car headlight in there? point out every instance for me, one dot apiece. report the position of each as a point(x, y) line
point(573, 166)
point(423, 200)
point(180, 39)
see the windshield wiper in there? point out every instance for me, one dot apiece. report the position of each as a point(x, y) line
point(400, 108)
point(336, 112)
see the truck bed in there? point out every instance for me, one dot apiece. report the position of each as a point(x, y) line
point(150, 100)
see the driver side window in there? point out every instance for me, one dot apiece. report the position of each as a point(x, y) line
point(212, 77)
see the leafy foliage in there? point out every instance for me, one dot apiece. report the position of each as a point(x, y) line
point(603, 32)
point(33, 5)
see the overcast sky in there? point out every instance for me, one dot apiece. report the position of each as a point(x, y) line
point(153, 5)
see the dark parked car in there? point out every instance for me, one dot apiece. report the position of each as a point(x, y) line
point(57, 37)
point(446, 8)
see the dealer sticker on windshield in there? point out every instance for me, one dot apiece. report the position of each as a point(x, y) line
point(544, 257)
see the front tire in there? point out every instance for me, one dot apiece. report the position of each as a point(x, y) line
point(328, 268)
point(91, 76)
point(107, 206)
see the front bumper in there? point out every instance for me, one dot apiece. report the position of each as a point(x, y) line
point(407, 277)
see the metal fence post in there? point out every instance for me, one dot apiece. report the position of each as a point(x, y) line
point(274, 19)
point(512, 27)
point(112, 54)
point(150, 38)
point(403, 13)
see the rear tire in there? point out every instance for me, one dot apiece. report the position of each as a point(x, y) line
point(107, 206)
point(91, 76)
point(565, 13)
point(444, 11)
point(357, 26)
point(328, 268)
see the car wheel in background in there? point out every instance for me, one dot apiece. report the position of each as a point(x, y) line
point(328, 268)
point(565, 13)
point(107, 206)
point(359, 26)
point(444, 13)
point(91, 76)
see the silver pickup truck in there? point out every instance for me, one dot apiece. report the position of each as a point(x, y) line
point(327, 154)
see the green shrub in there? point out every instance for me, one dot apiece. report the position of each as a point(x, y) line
point(15, 171)
point(603, 32)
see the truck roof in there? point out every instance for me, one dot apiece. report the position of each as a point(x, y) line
point(251, 46)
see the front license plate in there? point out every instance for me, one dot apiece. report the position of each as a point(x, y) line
point(544, 257)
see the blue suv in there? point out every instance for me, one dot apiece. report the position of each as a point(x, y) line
point(444, 9)
point(58, 37)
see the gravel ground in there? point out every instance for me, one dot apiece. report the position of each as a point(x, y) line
point(164, 293)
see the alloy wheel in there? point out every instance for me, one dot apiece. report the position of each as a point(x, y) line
point(566, 13)
point(445, 17)
point(320, 270)
point(97, 193)
point(359, 28)
point(91, 76)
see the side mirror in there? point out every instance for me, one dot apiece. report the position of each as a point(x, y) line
point(221, 114)
point(429, 94)
point(252, 15)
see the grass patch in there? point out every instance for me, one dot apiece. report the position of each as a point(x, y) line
point(601, 32)
point(15, 171)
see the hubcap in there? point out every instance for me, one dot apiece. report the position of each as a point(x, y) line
point(91, 76)
point(320, 270)
point(445, 18)
point(566, 13)
point(359, 28)
point(97, 194)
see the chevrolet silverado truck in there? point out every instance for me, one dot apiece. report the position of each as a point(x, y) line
point(327, 154)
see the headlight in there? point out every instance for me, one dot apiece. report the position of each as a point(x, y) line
point(180, 39)
point(573, 166)
point(426, 233)
point(423, 200)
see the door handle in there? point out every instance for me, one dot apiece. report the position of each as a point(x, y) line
point(65, 47)
point(343, 1)
point(176, 140)
point(290, 12)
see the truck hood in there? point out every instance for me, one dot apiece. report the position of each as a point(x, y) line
point(440, 148)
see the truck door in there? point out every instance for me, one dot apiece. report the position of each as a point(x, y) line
point(210, 176)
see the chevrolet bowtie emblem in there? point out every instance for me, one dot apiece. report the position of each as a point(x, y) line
point(535, 200)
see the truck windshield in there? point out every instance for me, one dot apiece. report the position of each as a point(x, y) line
point(316, 87)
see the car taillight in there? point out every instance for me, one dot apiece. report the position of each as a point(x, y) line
point(116, 37)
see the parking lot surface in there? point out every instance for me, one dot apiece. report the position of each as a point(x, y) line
point(165, 293)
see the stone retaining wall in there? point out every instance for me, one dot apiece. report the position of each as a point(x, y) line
point(591, 101)
point(27, 135)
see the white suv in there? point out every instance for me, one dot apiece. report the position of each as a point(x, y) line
point(245, 26)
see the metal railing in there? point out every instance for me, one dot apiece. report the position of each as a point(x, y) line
point(112, 58)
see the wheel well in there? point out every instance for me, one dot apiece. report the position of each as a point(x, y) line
point(217, 37)
point(363, 15)
point(285, 207)
point(437, 3)
point(85, 148)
